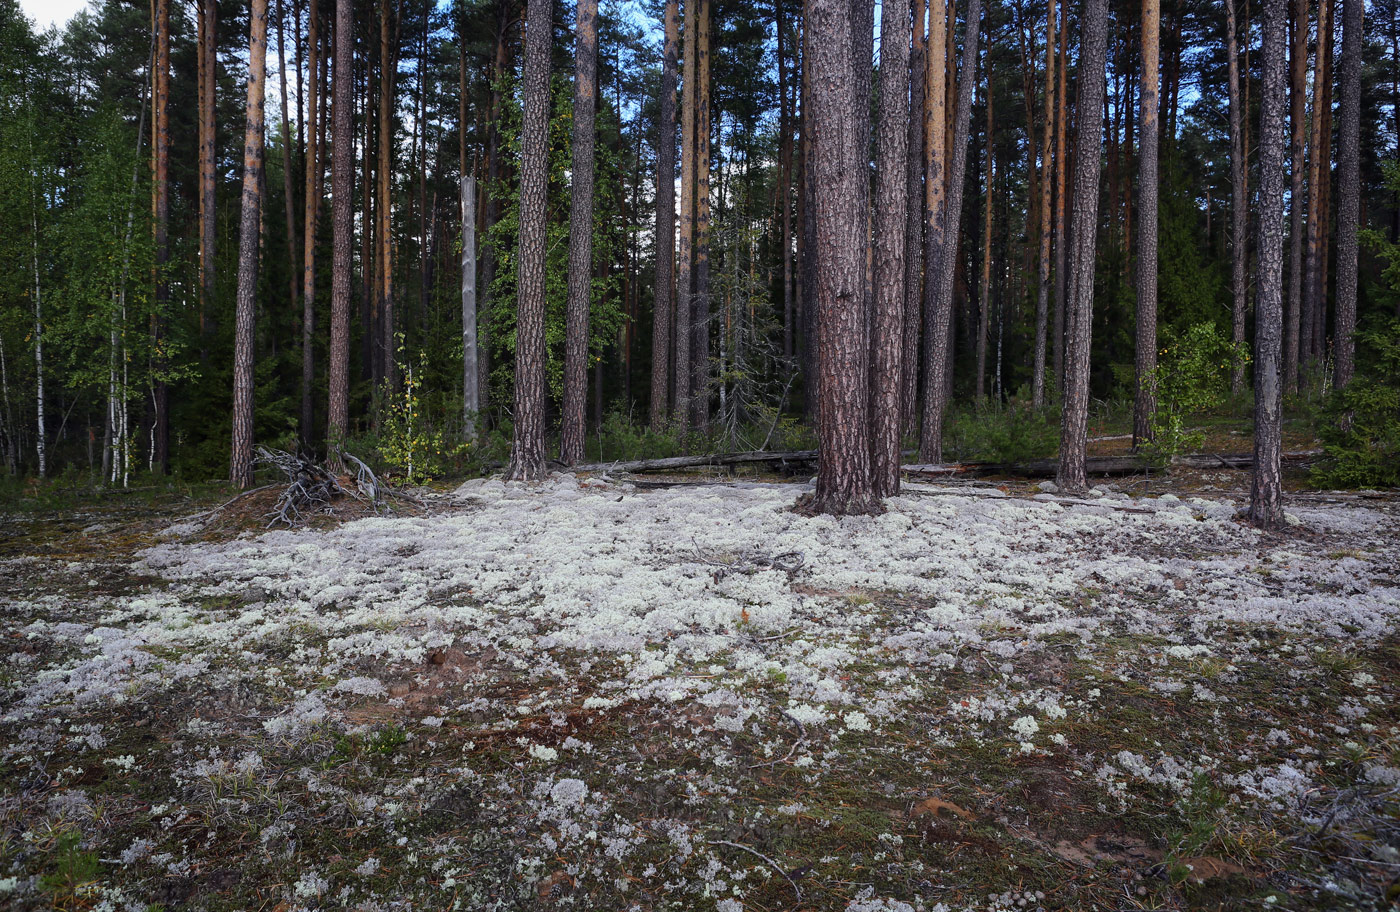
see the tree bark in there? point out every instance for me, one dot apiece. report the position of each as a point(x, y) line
point(661, 333)
point(527, 450)
point(1314, 318)
point(208, 75)
point(685, 291)
point(343, 226)
point(1298, 95)
point(935, 214)
point(310, 216)
point(1239, 214)
point(241, 462)
point(1348, 192)
point(891, 222)
point(1145, 395)
point(1061, 278)
point(843, 350)
point(580, 236)
point(471, 388)
point(1042, 292)
point(785, 179)
point(939, 376)
point(700, 341)
point(384, 232)
point(288, 193)
point(914, 229)
point(1083, 234)
point(160, 203)
point(1266, 490)
point(984, 308)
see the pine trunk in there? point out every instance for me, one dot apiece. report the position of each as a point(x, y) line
point(891, 221)
point(1145, 397)
point(1314, 301)
point(914, 227)
point(343, 224)
point(983, 310)
point(580, 236)
point(160, 203)
point(1298, 95)
point(1088, 150)
point(208, 74)
point(310, 215)
point(1348, 192)
point(936, 326)
point(1042, 291)
point(663, 319)
point(527, 451)
point(685, 291)
point(843, 350)
point(249, 239)
point(384, 232)
point(700, 316)
point(1266, 492)
point(1239, 214)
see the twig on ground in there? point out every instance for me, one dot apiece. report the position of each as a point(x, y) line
point(757, 854)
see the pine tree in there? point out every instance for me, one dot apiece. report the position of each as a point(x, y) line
point(343, 226)
point(1093, 43)
point(249, 239)
point(527, 449)
point(661, 338)
point(1266, 491)
point(1348, 191)
point(1144, 400)
point(580, 236)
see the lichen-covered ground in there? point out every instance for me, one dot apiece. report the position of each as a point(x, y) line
point(588, 695)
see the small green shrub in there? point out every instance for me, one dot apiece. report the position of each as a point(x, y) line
point(1360, 430)
point(1192, 376)
point(993, 432)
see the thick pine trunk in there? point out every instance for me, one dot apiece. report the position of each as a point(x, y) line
point(527, 451)
point(891, 222)
point(1266, 492)
point(580, 236)
point(1062, 163)
point(785, 180)
point(343, 225)
point(843, 350)
point(1145, 356)
point(661, 333)
point(1348, 192)
point(1083, 235)
point(384, 232)
point(241, 461)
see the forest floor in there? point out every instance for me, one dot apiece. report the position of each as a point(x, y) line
point(596, 695)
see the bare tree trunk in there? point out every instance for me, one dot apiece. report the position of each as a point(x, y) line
point(249, 238)
point(1061, 278)
point(160, 203)
point(1298, 94)
point(289, 196)
point(471, 390)
point(936, 214)
point(940, 339)
point(580, 236)
point(891, 222)
point(343, 225)
point(384, 247)
point(785, 177)
point(1079, 317)
point(661, 333)
point(1239, 214)
point(208, 71)
point(700, 341)
point(685, 292)
point(527, 451)
point(1348, 191)
point(914, 228)
point(40, 433)
point(983, 311)
point(310, 216)
point(1266, 492)
point(1314, 318)
point(1145, 398)
point(843, 351)
point(1042, 293)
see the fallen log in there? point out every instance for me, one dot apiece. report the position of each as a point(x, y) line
point(1036, 468)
